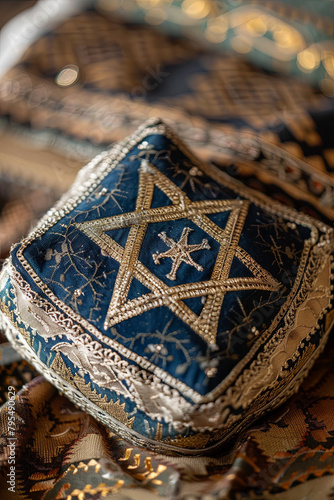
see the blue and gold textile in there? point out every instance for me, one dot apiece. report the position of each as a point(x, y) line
point(166, 299)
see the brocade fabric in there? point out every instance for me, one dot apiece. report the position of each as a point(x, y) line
point(288, 36)
point(287, 455)
point(269, 129)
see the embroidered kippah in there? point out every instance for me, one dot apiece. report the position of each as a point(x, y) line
point(166, 299)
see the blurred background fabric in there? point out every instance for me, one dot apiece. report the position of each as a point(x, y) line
point(249, 86)
point(292, 37)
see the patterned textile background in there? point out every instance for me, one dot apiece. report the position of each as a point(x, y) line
point(290, 36)
point(84, 85)
point(93, 80)
point(62, 453)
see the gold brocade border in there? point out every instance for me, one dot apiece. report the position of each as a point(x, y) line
point(179, 445)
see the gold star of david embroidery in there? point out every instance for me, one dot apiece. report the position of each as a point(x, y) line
point(213, 290)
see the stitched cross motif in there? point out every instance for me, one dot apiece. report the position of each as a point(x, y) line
point(179, 252)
